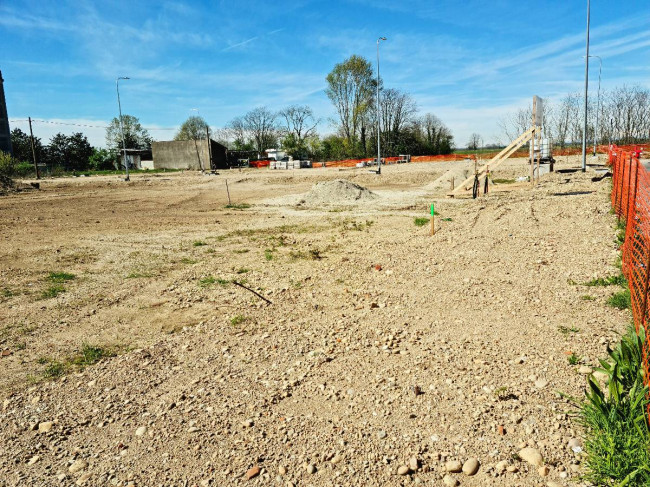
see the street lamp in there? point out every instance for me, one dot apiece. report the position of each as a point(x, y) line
point(378, 112)
point(600, 70)
point(584, 132)
point(119, 105)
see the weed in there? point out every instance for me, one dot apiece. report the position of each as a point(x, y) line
point(586, 297)
point(199, 243)
point(187, 260)
point(223, 282)
point(608, 281)
point(90, 355)
point(503, 181)
point(54, 369)
point(565, 330)
point(243, 270)
point(238, 320)
point(447, 219)
point(420, 221)
point(238, 206)
point(574, 359)
point(7, 293)
point(21, 345)
point(207, 281)
point(620, 300)
point(52, 291)
point(60, 277)
point(571, 282)
point(268, 254)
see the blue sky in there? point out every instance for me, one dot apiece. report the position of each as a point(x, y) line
point(469, 62)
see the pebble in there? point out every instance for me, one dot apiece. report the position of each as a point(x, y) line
point(501, 466)
point(78, 466)
point(532, 456)
point(414, 463)
point(541, 383)
point(336, 459)
point(252, 472)
point(450, 481)
point(553, 484)
point(45, 427)
point(33, 460)
point(193, 429)
point(381, 435)
point(575, 444)
point(141, 431)
point(471, 466)
point(543, 471)
point(82, 480)
point(311, 469)
point(584, 370)
point(282, 470)
point(403, 470)
point(453, 466)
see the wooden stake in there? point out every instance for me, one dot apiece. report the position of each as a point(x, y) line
point(433, 225)
point(228, 191)
point(452, 183)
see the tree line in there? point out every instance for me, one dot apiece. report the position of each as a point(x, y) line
point(623, 116)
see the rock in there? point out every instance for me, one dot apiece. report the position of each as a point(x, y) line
point(248, 423)
point(584, 370)
point(193, 429)
point(553, 484)
point(450, 481)
point(282, 470)
point(501, 466)
point(541, 383)
point(252, 472)
point(414, 464)
point(453, 466)
point(471, 466)
point(575, 444)
point(78, 466)
point(311, 469)
point(543, 471)
point(82, 480)
point(512, 469)
point(403, 470)
point(336, 459)
point(33, 460)
point(381, 435)
point(45, 427)
point(532, 456)
point(141, 431)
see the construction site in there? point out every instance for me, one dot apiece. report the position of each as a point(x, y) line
point(305, 327)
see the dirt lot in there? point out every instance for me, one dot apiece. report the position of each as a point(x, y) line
point(382, 347)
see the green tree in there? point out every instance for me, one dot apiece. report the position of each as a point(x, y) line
point(194, 128)
point(72, 152)
point(299, 125)
point(135, 135)
point(101, 159)
point(350, 87)
point(22, 146)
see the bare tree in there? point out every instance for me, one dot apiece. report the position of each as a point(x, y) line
point(236, 131)
point(300, 124)
point(474, 141)
point(398, 109)
point(260, 124)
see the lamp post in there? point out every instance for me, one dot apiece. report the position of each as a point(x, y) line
point(584, 132)
point(119, 105)
point(600, 70)
point(378, 112)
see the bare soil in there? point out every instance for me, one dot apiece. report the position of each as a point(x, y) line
point(382, 346)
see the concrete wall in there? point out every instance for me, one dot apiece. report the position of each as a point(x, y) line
point(181, 154)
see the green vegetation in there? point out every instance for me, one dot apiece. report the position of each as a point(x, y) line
point(447, 219)
point(620, 300)
point(620, 232)
point(587, 297)
point(503, 181)
point(198, 243)
point(312, 254)
point(420, 221)
point(238, 320)
point(617, 444)
point(618, 280)
point(574, 359)
point(565, 330)
point(207, 281)
point(138, 275)
point(238, 206)
point(243, 270)
point(52, 291)
point(60, 277)
point(88, 355)
point(268, 254)
point(187, 260)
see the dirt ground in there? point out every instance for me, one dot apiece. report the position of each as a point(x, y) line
point(366, 346)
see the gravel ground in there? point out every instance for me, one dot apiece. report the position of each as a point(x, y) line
point(385, 357)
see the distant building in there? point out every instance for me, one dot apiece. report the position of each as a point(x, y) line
point(198, 155)
point(5, 133)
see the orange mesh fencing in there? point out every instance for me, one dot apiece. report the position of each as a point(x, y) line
point(631, 202)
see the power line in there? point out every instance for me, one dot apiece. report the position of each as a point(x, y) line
point(86, 125)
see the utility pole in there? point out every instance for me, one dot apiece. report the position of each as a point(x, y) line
point(584, 132)
point(119, 105)
point(31, 135)
point(378, 113)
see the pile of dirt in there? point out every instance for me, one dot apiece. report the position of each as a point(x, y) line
point(339, 191)
point(6, 184)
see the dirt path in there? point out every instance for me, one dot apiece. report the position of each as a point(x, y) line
point(381, 343)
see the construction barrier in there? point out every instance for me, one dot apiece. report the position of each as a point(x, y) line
point(631, 202)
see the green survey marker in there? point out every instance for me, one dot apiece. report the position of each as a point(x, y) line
point(432, 210)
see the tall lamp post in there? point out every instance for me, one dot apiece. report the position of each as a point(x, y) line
point(119, 105)
point(378, 113)
point(584, 132)
point(600, 70)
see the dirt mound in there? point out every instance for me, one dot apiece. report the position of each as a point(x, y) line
point(337, 192)
point(6, 184)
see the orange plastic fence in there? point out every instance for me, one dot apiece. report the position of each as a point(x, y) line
point(631, 201)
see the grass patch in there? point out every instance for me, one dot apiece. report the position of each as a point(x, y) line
point(503, 181)
point(53, 291)
point(618, 280)
point(268, 254)
point(574, 359)
point(138, 275)
point(238, 206)
point(238, 320)
point(207, 281)
point(60, 277)
point(90, 355)
point(617, 442)
point(420, 221)
point(312, 254)
point(187, 260)
point(447, 219)
point(243, 270)
point(587, 297)
point(198, 243)
point(620, 300)
point(620, 232)
point(565, 330)
point(54, 369)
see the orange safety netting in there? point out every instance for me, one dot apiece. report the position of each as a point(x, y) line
point(631, 201)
